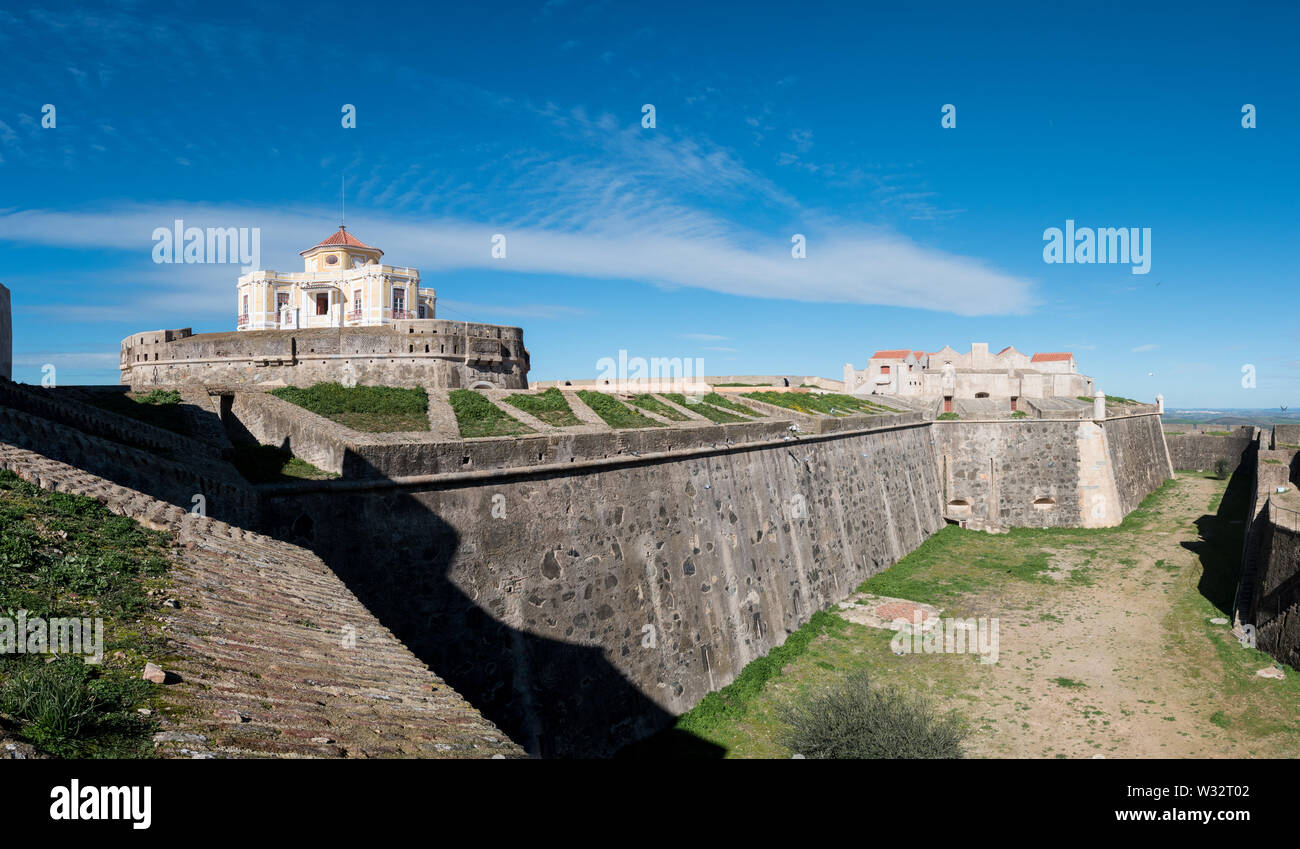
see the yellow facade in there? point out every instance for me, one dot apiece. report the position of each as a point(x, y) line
point(343, 284)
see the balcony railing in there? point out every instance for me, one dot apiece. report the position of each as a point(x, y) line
point(401, 314)
point(242, 320)
point(355, 315)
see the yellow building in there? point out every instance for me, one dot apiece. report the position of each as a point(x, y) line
point(342, 284)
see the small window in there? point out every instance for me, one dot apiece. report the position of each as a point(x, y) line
point(1044, 503)
point(331, 260)
point(884, 369)
point(981, 394)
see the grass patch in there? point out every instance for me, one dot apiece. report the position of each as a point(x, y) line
point(372, 409)
point(1019, 414)
point(158, 407)
point(732, 701)
point(727, 404)
point(271, 464)
point(476, 416)
point(830, 404)
point(948, 417)
point(68, 556)
point(615, 414)
point(714, 414)
point(654, 405)
point(549, 406)
point(1069, 683)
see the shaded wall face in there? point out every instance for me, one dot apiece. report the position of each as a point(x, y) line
point(1137, 458)
point(1199, 452)
point(583, 611)
point(6, 336)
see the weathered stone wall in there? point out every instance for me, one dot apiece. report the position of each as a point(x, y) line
point(330, 446)
point(1048, 473)
point(993, 472)
point(429, 352)
point(1196, 449)
point(1139, 460)
point(6, 336)
point(1286, 436)
point(582, 611)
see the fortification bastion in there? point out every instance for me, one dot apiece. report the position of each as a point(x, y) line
point(415, 352)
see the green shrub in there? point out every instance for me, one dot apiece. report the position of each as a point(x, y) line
point(854, 720)
point(1222, 469)
point(549, 406)
point(1019, 414)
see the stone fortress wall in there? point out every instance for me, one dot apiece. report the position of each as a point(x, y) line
point(415, 352)
point(582, 588)
point(1048, 473)
point(1268, 594)
point(1198, 447)
point(6, 336)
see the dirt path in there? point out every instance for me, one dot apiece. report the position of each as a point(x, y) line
point(1107, 669)
point(1106, 644)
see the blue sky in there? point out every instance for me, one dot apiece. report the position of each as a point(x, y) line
point(822, 120)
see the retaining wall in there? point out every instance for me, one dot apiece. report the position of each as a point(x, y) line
point(582, 611)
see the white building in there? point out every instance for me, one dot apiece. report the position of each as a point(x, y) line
point(947, 374)
point(342, 284)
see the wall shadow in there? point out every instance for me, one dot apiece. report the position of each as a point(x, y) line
point(395, 554)
point(1220, 539)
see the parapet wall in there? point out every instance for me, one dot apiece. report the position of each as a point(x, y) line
point(584, 610)
point(1269, 598)
point(1199, 447)
point(424, 352)
point(6, 336)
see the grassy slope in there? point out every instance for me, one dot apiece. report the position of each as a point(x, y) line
point(65, 555)
point(549, 406)
point(373, 409)
point(615, 414)
point(477, 416)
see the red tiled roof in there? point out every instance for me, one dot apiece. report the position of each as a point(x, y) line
point(919, 354)
point(900, 354)
point(1051, 357)
point(343, 237)
point(1004, 350)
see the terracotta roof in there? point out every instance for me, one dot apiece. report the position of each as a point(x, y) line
point(1052, 357)
point(900, 354)
point(1004, 350)
point(343, 237)
point(919, 354)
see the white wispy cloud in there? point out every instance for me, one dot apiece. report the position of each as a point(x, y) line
point(1147, 347)
point(696, 250)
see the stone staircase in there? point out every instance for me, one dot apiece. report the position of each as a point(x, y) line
point(276, 657)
